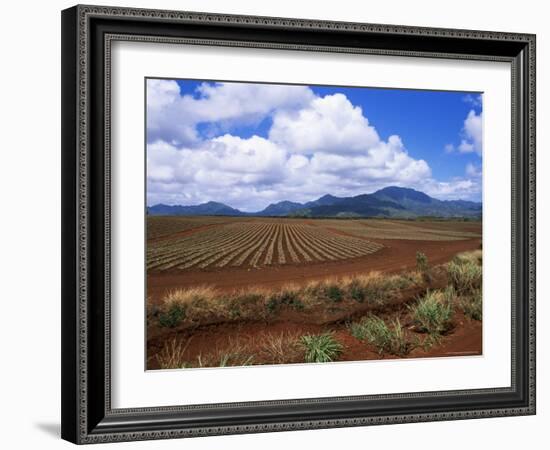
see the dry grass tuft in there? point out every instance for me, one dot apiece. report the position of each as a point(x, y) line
point(188, 296)
point(474, 257)
point(237, 353)
point(203, 304)
point(172, 356)
point(281, 348)
point(387, 339)
point(465, 272)
point(267, 348)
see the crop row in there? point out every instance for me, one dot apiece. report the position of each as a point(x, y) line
point(162, 226)
point(255, 244)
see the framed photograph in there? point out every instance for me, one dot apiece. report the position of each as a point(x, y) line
point(281, 224)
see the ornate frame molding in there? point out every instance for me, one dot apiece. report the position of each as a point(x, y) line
point(80, 423)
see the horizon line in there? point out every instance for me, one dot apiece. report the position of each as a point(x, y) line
point(324, 195)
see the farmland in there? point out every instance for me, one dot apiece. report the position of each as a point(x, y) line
point(166, 226)
point(255, 244)
point(235, 252)
point(407, 230)
point(216, 284)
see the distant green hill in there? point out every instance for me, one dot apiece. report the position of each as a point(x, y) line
point(391, 201)
point(204, 209)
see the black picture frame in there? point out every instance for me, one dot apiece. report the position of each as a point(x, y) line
point(87, 416)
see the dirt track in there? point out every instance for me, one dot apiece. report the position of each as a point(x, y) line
point(465, 339)
point(396, 255)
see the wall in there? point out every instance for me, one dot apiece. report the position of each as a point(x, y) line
point(30, 238)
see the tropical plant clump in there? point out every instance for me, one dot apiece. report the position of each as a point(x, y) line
point(387, 339)
point(434, 312)
point(320, 348)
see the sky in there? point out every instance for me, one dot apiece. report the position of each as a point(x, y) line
point(249, 144)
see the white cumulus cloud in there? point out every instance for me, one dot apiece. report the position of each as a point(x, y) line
point(174, 117)
point(328, 124)
point(315, 145)
point(456, 189)
point(473, 134)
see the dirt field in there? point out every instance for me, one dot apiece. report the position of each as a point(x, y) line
point(393, 254)
point(231, 255)
point(465, 340)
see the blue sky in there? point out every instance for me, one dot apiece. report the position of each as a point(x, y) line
point(248, 144)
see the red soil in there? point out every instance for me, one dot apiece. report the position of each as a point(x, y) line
point(183, 233)
point(464, 340)
point(397, 255)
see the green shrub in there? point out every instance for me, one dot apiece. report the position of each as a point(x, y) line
point(173, 316)
point(272, 305)
point(334, 293)
point(449, 294)
point(472, 305)
point(430, 340)
point(287, 297)
point(357, 292)
point(433, 313)
point(465, 276)
point(376, 293)
point(358, 330)
point(387, 339)
point(399, 282)
point(398, 341)
point(422, 262)
point(321, 347)
point(298, 305)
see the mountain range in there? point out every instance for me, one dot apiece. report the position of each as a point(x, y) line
point(391, 201)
